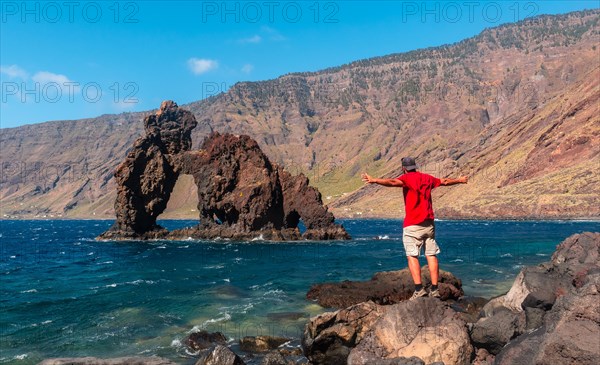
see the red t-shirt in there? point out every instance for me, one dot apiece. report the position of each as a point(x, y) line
point(417, 196)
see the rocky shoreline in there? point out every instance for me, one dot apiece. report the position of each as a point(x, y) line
point(549, 316)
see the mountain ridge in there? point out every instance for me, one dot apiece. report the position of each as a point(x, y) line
point(445, 105)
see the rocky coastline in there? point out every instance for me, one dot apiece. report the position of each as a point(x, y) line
point(549, 316)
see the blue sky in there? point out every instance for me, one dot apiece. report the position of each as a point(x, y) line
point(69, 60)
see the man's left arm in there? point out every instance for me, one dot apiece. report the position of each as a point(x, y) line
point(448, 181)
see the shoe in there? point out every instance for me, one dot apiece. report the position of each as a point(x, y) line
point(419, 294)
point(435, 293)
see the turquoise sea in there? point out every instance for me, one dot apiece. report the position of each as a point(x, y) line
point(64, 294)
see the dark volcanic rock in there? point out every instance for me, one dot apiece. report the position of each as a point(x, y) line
point(146, 178)
point(570, 334)
point(203, 340)
point(562, 316)
point(276, 358)
point(241, 194)
point(261, 343)
point(494, 332)
point(539, 286)
point(384, 288)
point(329, 337)
point(238, 187)
point(470, 308)
point(303, 201)
point(219, 355)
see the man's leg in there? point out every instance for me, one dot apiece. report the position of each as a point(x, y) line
point(415, 269)
point(434, 269)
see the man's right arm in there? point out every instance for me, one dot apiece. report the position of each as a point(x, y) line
point(384, 182)
point(460, 180)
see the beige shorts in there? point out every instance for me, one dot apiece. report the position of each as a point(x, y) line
point(414, 237)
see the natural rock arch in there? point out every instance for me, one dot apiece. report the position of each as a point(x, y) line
point(241, 194)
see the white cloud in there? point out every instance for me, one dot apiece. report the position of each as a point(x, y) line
point(247, 68)
point(273, 33)
point(122, 106)
point(14, 71)
point(44, 77)
point(254, 39)
point(201, 65)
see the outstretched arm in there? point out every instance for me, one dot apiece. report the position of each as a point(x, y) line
point(384, 182)
point(460, 180)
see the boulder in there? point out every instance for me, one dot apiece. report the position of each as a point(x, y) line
point(562, 316)
point(425, 328)
point(384, 288)
point(219, 355)
point(483, 357)
point(570, 334)
point(368, 333)
point(275, 358)
point(470, 308)
point(492, 333)
point(261, 343)
point(539, 286)
point(202, 340)
point(370, 359)
point(329, 337)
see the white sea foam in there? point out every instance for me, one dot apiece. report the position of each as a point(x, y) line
point(218, 266)
point(506, 255)
point(227, 280)
point(21, 357)
point(225, 317)
point(29, 291)
point(259, 238)
point(457, 260)
point(384, 237)
point(13, 257)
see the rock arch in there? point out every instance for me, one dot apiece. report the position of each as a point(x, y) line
point(241, 194)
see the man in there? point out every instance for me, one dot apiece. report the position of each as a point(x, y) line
point(418, 227)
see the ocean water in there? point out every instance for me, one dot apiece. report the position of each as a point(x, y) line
point(64, 294)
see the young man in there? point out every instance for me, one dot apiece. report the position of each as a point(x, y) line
point(419, 228)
